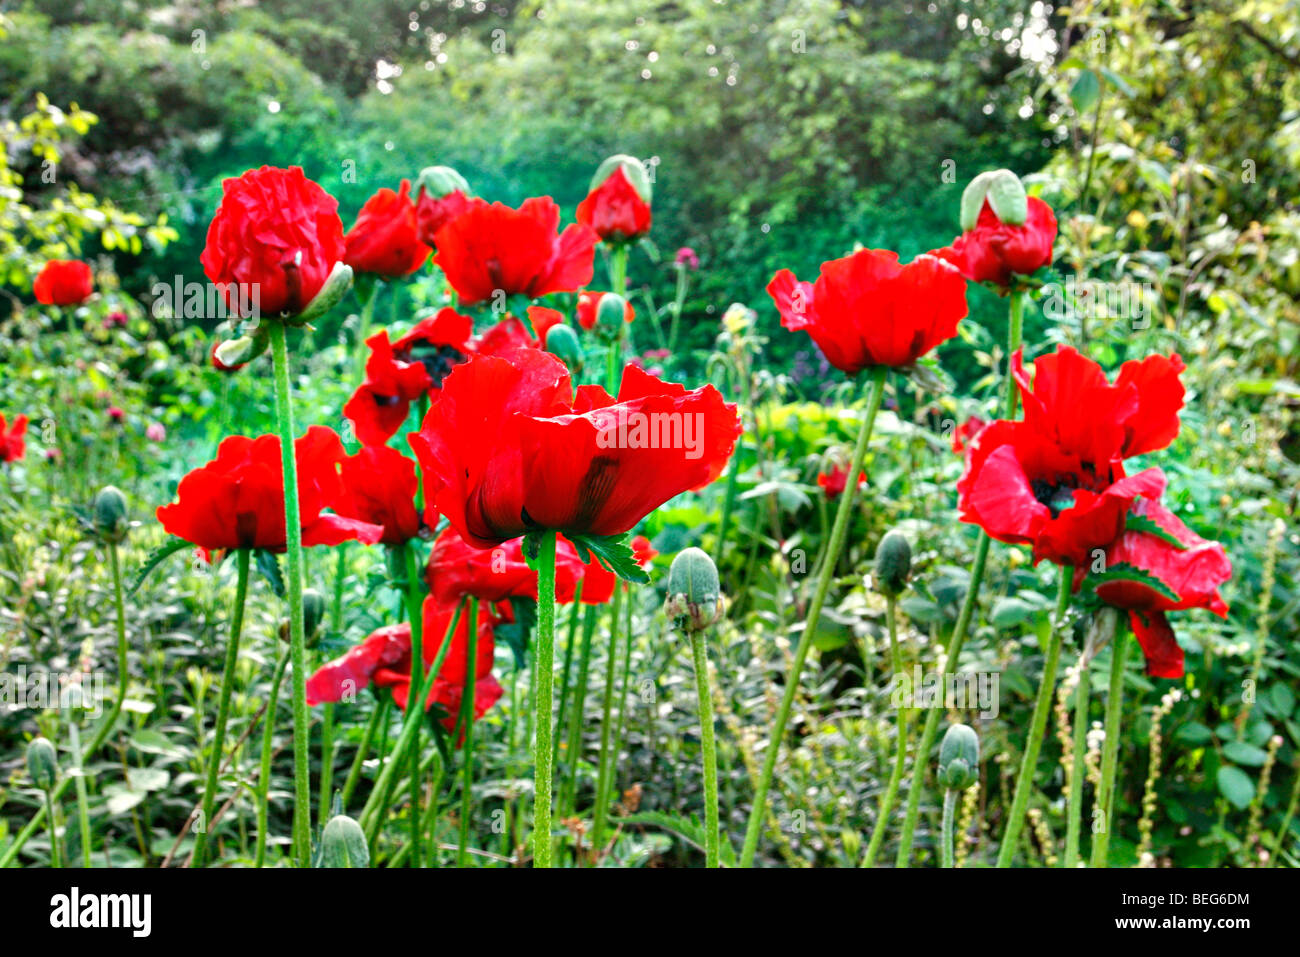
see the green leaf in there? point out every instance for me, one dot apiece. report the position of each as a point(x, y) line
point(1117, 81)
point(1124, 572)
point(156, 558)
point(154, 742)
point(268, 563)
point(121, 798)
point(1009, 612)
point(1243, 753)
point(613, 553)
point(148, 779)
point(1086, 91)
point(1236, 786)
point(1147, 526)
point(1193, 733)
point(688, 829)
point(518, 633)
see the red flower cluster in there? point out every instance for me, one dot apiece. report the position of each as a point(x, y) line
point(511, 450)
point(12, 444)
point(994, 251)
point(1056, 480)
point(275, 231)
point(615, 210)
point(385, 239)
point(868, 309)
point(384, 660)
point(237, 499)
point(492, 249)
point(63, 282)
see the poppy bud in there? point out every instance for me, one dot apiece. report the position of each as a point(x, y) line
point(439, 181)
point(694, 596)
point(313, 612)
point(611, 314)
point(343, 844)
point(233, 354)
point(42, 763)
point(893, 564)
point(959, 757)
point(637, 175)
point(1005, 194)
point(562, 341)
point(111, 522)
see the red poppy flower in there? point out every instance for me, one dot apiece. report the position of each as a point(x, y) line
point(836, 480)
point(492, 248)
point(964, 433)
point(457, 568)
point(277, 232)
point(1177, 576)
point(237, 499)
point(384, 660)
point(643, 553)
point(615, 210)
point(543, 320)
point(513, 450)
point(589, 309)
point(434, 212)
point(1056, 480)
point(994, 251)
point(868, 309)
point(384, 240)
point(63, 282)
point(503, 338)
point(378, 487)
point(12, 444)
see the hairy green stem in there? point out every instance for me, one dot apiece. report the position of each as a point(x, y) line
point(543, 678)
point(377, 714)
point(605, 771)
point(708, 749)
point(573, 747)
point(242, 558)
point(1080, 743)
point(900, 756)
point(838, 533)
point(1105, 800)
point(945, 842)
point(264, 773)
point(416, 693)
point(467, 722)
point(83, 804)
point(1037, 724)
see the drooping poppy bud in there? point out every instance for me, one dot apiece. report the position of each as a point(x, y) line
point(1004, 193)
point(42, 763)
point(893, 564)
point(343, 844)
point(617, 206)
point(694, 595)
point(959, 758)
point(111, 522)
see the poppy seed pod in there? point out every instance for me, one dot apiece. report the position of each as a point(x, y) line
point(611, 315)
point(438, 181)
point(42, 763)
point(343, 844)
point(1004, 193)
point(893, 564)
point(111, 523)
point(313, 611)
point(959, 757)
point(563, 342)
point(694, 595)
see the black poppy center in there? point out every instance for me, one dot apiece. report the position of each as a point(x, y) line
point(1057, 496)
point(437, 360)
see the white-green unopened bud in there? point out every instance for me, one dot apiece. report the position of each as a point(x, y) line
point(893, 564)
point(694, 595)
point(633, 169)
point(959, 757)
point(343, 844)
point(111, 522)
point(438, 181)
point(1005, 194)
point(42, 763)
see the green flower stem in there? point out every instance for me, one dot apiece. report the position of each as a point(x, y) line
point(376, 807)
point(618, 269)
point(55, 860)
point(1075, 801)
point(838, 533)
point(467, 722)
point(83, 805)
point(242, 557)
point(1110, 749)
point(573, 747)
point(416, 693)
point(544, 678)
point(363, 331)
point(625, 677)
point(705, 698)
point(678, 301)
point(105, 727)
point(945, 844)
point(327, 710)
point(575, 612)
point(297, 639)
point(1285, 828)
point(264, 774)
point(900, 756)
point(377, 714)
point(1038, 723)
point(605, 772)
point(952, 656)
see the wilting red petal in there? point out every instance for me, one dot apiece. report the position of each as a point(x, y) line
point(1160, 399)
point(1163, 654)
point(345, 676)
